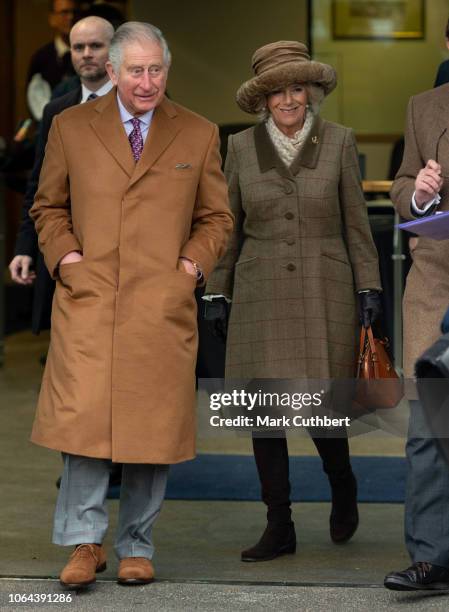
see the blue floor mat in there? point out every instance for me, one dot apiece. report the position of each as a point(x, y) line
point(234, 477)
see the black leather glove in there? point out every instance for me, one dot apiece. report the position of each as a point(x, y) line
point(445, 322)
point(217, 313)
point(370, 307)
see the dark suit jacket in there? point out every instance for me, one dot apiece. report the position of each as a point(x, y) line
point(26, 243)
point(52, 68)
point(442, 74)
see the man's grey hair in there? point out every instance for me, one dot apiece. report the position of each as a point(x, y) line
point(136, 31)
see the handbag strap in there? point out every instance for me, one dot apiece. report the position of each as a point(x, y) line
point(362, 342)
point(374, 355)
point(367, 342)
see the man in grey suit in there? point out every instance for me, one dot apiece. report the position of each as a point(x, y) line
point(420, 187)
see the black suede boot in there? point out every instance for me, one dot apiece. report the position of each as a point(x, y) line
point(279, 538)
point(344, 517)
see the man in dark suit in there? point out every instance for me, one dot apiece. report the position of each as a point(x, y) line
point(89, 47)
point(51, 63)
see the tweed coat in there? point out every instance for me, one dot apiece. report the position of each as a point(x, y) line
point(301, 247)
point(426, 295)
point(119, 381)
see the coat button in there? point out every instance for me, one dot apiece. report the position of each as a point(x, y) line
point(288, 188)
point(289, 215)
point(291, 267)
point(290, 241)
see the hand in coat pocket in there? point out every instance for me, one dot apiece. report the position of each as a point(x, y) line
point(72, 257)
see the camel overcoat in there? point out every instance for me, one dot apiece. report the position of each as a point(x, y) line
point(300, 250)
point(426, 295)
point(119, 381)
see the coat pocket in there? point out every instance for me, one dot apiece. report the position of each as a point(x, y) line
point(341, 258)
point(242, 262)
point(246, 269)
point(66, 271)
point(74, 278)
point(182, 174)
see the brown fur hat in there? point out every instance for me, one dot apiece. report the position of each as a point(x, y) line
point(278, 65)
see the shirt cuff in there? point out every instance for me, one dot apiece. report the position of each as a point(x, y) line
point(212, 296)
point(427, 208)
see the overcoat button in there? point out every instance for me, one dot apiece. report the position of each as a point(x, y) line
point(291, 267)
point(288, 188)
point(289, 215)
point(290, 241)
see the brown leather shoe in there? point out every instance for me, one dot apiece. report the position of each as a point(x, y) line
point(85, 561)
point(135, 570)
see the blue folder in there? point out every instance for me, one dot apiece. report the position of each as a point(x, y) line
point(435, 226)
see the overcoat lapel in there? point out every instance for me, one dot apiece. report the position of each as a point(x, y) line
point(163, 130)
point(109, 129)
point(308, 156)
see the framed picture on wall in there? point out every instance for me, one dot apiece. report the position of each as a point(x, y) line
point(378, 19)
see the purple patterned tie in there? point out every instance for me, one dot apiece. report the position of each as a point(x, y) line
point(136, 140)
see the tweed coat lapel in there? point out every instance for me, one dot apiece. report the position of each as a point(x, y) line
point(268, 157)
point(163, 130)
point(266, 152)
point(440, 138)
point(109, 129)
point(310, 152)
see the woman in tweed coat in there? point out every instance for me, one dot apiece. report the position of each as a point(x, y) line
point(300, 252)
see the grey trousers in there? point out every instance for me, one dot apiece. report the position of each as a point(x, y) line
point(81, 515)
point(427, 494)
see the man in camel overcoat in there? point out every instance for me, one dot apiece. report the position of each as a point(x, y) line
point(132, 213)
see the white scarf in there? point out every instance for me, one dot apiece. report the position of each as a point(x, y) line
point(288, 148)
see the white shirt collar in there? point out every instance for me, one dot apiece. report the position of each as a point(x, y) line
point(104, 89)
point(126, 116)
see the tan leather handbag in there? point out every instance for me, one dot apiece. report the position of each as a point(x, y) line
point(378, 385)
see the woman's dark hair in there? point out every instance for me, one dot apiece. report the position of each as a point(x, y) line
point(447, 29)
